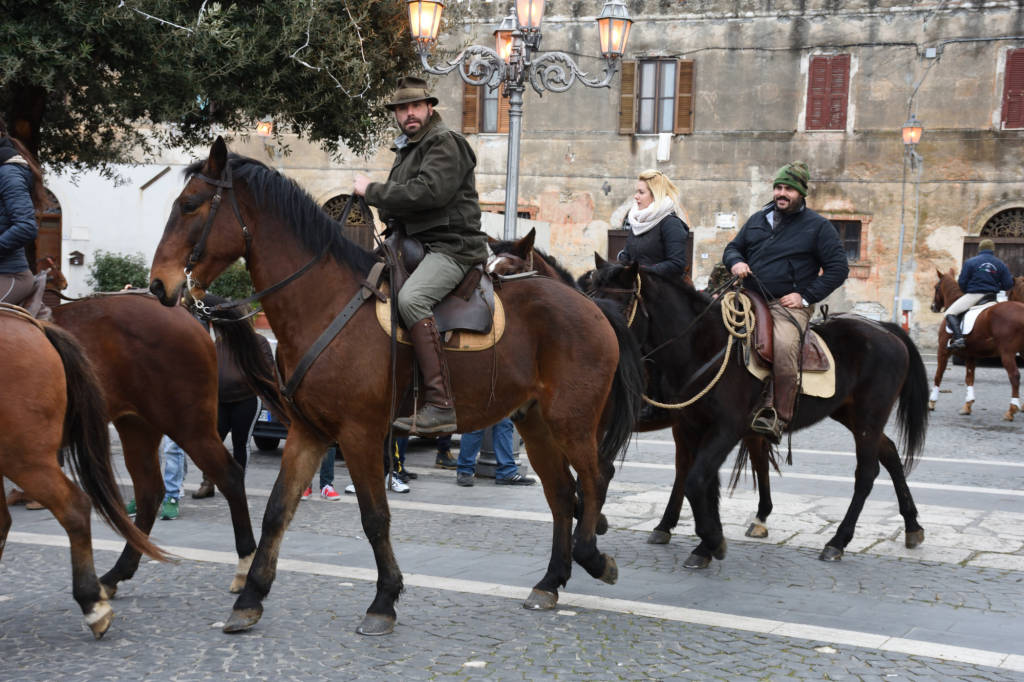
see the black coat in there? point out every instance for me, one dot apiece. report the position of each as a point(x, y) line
point(789, 258)
point(661, 249)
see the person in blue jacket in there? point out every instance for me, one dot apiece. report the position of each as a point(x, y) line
point(21, 191)
point(981, 275)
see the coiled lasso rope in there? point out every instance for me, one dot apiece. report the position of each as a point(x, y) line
point(738, 318)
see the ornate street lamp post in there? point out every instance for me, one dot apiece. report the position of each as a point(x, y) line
point(517, 60)
point(912, 131)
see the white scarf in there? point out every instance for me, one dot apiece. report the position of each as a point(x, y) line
point(641, 220)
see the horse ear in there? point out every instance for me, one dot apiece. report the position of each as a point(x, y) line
point(599, 262)
point(525, 245)
point(218, 158)
point(939, 273)
point(952, 273)
point(491, 241)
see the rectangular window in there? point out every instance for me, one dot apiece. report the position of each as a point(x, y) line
point(849, 235)
point(1013, 90)
point(484, 110)
point(656, 96)
point(828, 91)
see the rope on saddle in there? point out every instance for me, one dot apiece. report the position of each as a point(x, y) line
point(738, 319)
point(18, 311)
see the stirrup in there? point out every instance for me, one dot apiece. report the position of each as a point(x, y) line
point(766, 422)
point(959, 343)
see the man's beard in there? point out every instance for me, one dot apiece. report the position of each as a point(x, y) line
point(405, 129)
point(793, 207)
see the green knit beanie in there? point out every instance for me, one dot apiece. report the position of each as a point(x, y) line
point(795, 175)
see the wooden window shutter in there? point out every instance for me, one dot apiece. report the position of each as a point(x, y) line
point(1013, 90)
point(684, 97)
point(627, 99)
point(470, 108)
point(828, 88)
point(503, 104)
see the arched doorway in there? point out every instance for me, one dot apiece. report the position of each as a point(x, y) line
point(357, 228)
point(1006, 229)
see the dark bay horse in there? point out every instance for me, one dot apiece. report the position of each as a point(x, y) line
point(158, 372)
point(998, 332)
point(52, 400)
point(557, 370)
point(877, 365)
point(514, 257)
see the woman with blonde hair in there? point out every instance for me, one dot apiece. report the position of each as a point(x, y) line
point(657, 235)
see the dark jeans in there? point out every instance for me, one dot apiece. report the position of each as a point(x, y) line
point(238, 418)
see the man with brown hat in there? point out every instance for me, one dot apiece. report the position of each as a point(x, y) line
point(981, 275)
point(430, 194)
point(785, 246)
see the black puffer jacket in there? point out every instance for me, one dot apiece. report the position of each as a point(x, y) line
point(789, 258)
point(662, 249)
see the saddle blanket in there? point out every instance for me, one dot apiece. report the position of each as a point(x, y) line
point(817, 384)
point(454, 340)
point(970, 316)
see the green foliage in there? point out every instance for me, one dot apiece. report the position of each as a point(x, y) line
point(89, 84)
point(112, 271)
point(233, 283)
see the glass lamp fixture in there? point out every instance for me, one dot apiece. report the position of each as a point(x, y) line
point(425, 19)
point(503, 39)
point(529, 14)
point(912, 131)
point(613, 26)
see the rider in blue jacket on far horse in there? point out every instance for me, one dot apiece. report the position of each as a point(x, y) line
point(981, 275)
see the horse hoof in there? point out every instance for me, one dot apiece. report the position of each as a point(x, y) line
point(541, 600)
point(242, 620)
point(966, 409)
point(374, 624)
point(719, 552)
point(931, 405)
point(659, 537)
point(602, 525)
point(1008, 417)
point(241, 573)
point(914, 538)
point(611, 570)
point(830, 553)
point(696, 561)
point(757, 530)
point(100, 618)
point(107, 592)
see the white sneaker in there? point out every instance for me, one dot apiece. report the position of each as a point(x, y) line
point(397, 486)
point(350, 489)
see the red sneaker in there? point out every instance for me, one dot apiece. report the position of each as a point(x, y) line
point(329, 493)
point(307, 493)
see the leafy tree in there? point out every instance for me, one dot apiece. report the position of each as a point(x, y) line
point(112, 271)
point(233, 283)
point(88, 83)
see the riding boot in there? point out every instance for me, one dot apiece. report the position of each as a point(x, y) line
point(957, 342)
point(768, 420)
point(438, 412)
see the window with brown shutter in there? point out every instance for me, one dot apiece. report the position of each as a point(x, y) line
point(656, 96)
point(1013, 90)
point(484, 110)
point(828, 91)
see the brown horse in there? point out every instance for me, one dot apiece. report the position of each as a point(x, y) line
point(53, 400)
point(158, 370)
point(998, 332)
point(556, 370)
point(520, 256)
point(1017, 292)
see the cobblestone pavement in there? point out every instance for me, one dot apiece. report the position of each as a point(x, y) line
point(948, 610)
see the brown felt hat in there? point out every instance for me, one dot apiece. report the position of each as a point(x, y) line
point(410, 89)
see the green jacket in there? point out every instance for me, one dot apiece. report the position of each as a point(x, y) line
point(432, 192)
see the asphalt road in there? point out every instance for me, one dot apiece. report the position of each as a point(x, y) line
point(950, 609)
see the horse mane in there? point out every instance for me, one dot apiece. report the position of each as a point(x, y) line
point(699, 299)
point(283, 197)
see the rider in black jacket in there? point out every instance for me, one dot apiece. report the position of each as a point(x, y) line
point(785, 246)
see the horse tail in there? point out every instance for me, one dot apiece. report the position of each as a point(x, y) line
point(241, 340)
point(624, 402)
point(86, 441)
point(743, 456)
point(912, 413)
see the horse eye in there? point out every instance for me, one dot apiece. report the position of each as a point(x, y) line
point(189, 205)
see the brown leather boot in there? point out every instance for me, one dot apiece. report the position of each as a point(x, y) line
point(438, 412)
point(205, 489)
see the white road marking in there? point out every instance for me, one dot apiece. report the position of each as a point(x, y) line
point(833, 636)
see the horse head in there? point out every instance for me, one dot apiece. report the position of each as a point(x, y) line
point(512, 257)
point(1017, 293)
point(199, 241)
point(55, 279)
point(946, 290)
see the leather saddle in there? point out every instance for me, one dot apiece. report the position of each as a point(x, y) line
point(814, 359)
point(469, 307)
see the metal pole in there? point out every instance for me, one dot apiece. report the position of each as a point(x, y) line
point(899, 254)
point(515, 124)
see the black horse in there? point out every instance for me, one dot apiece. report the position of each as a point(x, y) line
point(876, 365)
